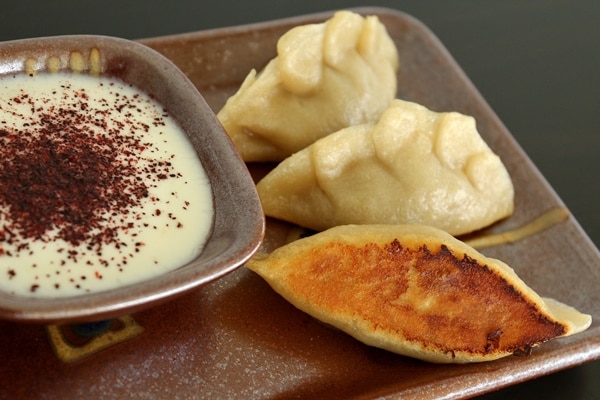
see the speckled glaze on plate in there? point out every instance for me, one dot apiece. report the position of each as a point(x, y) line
point(238, 224)
point(236, 338)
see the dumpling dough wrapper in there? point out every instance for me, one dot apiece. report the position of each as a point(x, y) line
point(416, 291)
point(414, 166)
point(325, 77)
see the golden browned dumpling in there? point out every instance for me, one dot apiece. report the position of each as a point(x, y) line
point(325, 77)
point(413, 166)
point(416, 291)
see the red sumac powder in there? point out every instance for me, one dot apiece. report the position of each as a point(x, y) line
point(58, 174)
point(89, 167)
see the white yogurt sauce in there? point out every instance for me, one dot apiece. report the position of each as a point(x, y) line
point(99, 187)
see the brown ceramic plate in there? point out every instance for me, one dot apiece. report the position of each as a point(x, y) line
point(236, 338)
point(238, 223)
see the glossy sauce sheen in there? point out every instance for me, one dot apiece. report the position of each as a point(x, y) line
point(99, 186)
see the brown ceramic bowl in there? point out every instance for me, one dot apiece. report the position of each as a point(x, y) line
point(238, 222)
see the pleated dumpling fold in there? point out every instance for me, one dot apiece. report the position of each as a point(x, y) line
point(413, 166)
point(325, 77)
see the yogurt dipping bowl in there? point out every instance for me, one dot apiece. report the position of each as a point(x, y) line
point(237, 225)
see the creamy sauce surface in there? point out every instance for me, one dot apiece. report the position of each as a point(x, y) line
point(99, 186)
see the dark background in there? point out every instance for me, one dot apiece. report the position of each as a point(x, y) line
point(535, 62)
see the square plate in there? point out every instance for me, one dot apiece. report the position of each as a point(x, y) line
point(236, 338)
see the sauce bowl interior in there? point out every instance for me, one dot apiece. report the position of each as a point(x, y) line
point(238, 225)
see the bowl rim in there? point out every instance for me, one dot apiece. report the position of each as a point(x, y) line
point(238, 221)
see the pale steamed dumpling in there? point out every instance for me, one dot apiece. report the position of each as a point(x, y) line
point(325, 77)
point(414, 166)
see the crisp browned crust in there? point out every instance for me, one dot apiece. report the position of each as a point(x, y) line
point(436, 299)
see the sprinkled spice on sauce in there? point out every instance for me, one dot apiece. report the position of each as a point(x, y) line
point(98, 186)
